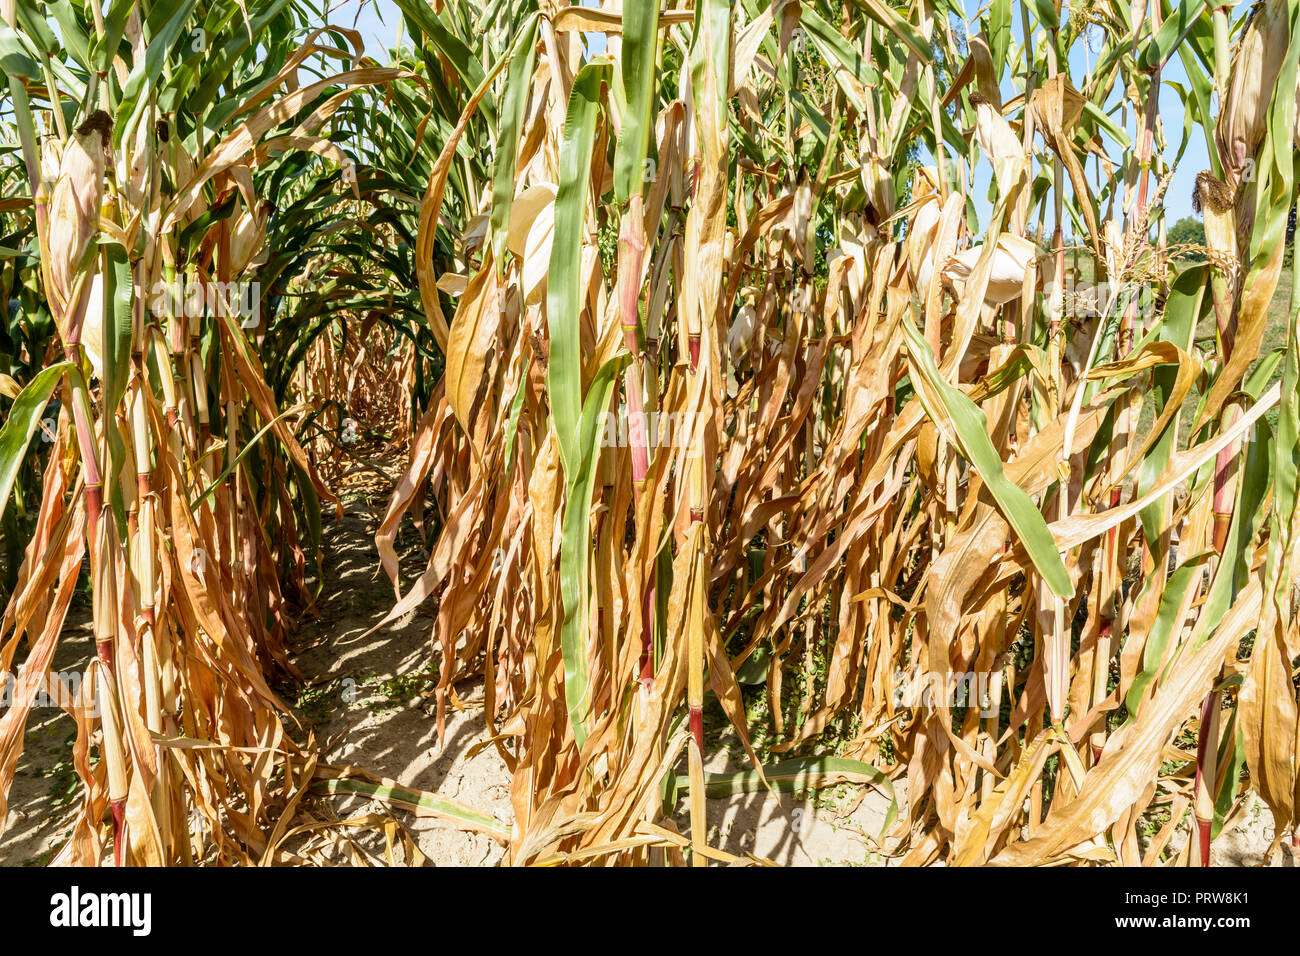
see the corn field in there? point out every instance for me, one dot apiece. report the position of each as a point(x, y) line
point(734, 360)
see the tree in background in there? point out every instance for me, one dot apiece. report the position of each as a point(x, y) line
point(1188, 231)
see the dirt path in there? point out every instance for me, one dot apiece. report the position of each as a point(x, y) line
point(388, 729)
point(46, 792)
point(375, 711)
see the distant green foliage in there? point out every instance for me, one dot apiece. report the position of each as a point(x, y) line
point(1187, 231)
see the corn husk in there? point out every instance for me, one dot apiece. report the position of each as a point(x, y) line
point(1215, 201)
point(527, 206)
point(854, 245)
point(247, 238)
point(181, 171)
point(92, 327)
point(532, 227)
point(74, 205)
point(924, 232)
point(877, 181)
point(1013, 258)
point(51, 158)
point(802, 227)
point(475, 233)
point(1243, 118)
point(740, 335)
point(999, 142)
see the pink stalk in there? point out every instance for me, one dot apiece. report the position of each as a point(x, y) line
point(1206, 771)
point(119, 830)
point(86, 445)
point(1225, 472)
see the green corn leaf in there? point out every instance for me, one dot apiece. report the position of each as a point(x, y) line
point(564, 293)
point(575, 547)
point(1169, 620)
point(518, 84)
point(21, 424)
point(793, 776)
point(971, 430)
point(416, 801)
point(1172, 33)
point(637, 70)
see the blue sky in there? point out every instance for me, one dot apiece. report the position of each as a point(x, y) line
point(379, 22)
